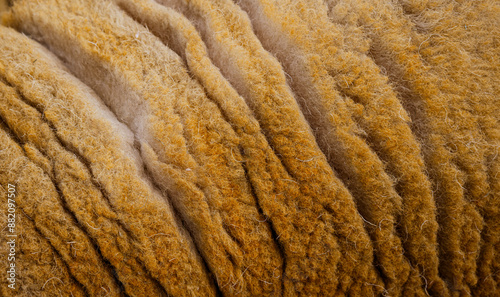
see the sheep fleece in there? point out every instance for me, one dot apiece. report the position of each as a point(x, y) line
point(250, 148)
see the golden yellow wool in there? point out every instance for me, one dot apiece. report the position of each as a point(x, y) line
point(191, 151)
point(99, 176)
point(470, 59)
point(40, 268)
point(338, 75)
point(51, 219)
point(436, 35)
point(238, 53)
point(253, 147)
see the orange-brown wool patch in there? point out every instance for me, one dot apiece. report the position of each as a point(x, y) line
point(99, 175)
point(252, 147)
point(52, 221)
point(189, 148)
point(40, 269)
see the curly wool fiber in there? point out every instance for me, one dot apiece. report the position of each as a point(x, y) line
point(175, 124)
point(252, 147)
point(43, 97)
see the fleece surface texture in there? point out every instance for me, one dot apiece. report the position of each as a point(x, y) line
point(250, 148)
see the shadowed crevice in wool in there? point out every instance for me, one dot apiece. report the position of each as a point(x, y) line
point(86, 164)
point(488, 256)
point(79, 284)
point(445, 208)
point(201, 186)
point(71, 213)
point(462, 157)
point(479, 38)
point(180, 35)
point(69, 148)
point(58, 191)
point(235, 79)
point(233, 237)
point(13, 137)
point(166, 133)
point(451, 213)
point(91, 239)
point(462, 34)
point(24, 222)
point(177, 33)
point(178, 218)
point(31, 247)
point(273, 231)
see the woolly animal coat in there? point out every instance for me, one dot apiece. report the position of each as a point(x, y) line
point(250, 148)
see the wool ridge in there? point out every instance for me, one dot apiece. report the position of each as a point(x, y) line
point(79, 174)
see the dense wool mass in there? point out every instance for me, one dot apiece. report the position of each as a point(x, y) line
point(438, 66)
point(263, 167)
point(251, 147)
point(361, 127)
point(44, 105)
point(52, 222)
point(191, 151)
point(241, 58)
point(43, 271)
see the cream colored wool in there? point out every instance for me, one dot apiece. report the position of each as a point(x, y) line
point(99, 175)
point(43, 272)
point(174, 122)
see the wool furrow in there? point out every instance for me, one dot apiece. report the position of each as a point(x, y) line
point(252, 147)
point(210, 20)
point(63, 182)
point(478, 72)
point(184, 140)
point(487, 62)
point(467, 143)
point(133, 247)
point(36, 115)
point(442, 46)
point(391, 45)
point(52, 220)
point(42, 271)
point(387, 36)
point(381, 122)
point(7, 109)
point(179, 34)
point(470, 28)
point(448, 177)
